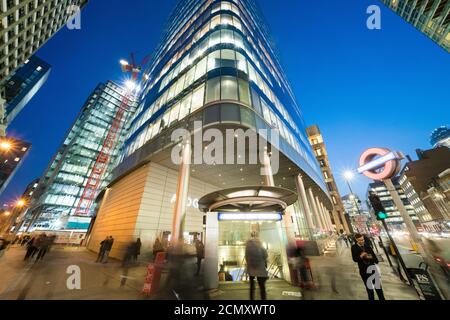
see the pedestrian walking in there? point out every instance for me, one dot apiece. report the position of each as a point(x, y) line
point(108, 247)
point(365, 257)
point(101, 252)
point(256, 257)
point(200, 252)
point(39, 245)
point(31, 248)
point(45, 246)
point(137, 249)
point(157, 247)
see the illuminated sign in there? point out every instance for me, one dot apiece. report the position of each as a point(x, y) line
point(379, 163)
point(191, 202)
point(241, 216)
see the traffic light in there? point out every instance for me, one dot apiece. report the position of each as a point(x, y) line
point(377, 206)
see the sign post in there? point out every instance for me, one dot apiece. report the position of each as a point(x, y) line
point(381, 164)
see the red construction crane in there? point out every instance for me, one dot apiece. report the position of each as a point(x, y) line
point(101, 164)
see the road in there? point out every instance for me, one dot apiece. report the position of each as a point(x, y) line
point(436, 246)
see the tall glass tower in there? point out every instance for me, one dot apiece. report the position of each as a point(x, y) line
point(60, 188)
point(215, 65)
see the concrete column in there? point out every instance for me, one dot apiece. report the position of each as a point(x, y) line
point(286, 223)
point(179, 213)
point(211, 263)
point(337, 221)
point(323, 215)
point(326, 216)
point(407, 220)
point(302, 199)
point(315, 210)
point(268, 177)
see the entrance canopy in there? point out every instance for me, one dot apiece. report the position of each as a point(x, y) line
point(252, 199)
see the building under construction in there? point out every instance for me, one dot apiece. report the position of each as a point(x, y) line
point(55, 203)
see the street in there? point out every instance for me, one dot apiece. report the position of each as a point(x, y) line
point(335, 275)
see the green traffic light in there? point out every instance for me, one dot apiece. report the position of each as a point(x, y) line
point(382, 215)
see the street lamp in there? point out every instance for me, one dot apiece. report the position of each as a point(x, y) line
point(5, 145)
point(348, 176)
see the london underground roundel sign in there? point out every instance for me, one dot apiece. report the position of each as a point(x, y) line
point(379, 163)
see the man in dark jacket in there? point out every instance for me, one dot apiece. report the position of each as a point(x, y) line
point(365, 257)
point(101, 253)
point(108, 246)
point(200, 252)
point(256, 257)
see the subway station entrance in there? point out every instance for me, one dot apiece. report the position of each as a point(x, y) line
point(231, 217)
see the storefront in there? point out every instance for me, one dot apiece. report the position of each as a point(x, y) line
point(232, 216)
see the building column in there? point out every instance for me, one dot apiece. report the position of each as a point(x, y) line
point(328, 215)
point(179, 213)
point(315, 209)
point(338, 222)
point(327, 218)
point(211, 280)
point(285, 224)
point(322, 214)
point(302, 199)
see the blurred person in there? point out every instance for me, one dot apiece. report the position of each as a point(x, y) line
point(101, 252)
point(129, 253)
point(365, 257)
point(157, 247)
point(181, 282)
point(3, 246)
point(108, 246)
point(44, 246)
point(31, 248)
point(200, 252)
point(137, 249)
point(256, 257)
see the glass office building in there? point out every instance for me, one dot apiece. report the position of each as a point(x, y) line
point(22, 85)
point(216, 64)
point(432, 17)
point(54, 204)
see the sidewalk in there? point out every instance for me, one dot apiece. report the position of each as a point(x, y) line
point(336, 278)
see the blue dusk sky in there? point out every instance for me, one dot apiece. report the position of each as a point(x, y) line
point(363, 87)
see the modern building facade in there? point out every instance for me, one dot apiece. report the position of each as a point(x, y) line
point(360, 218)
point(12, 154)
point(421, 182)
point(21, 86)
point(26, 25)
point(438, 195)
point(431, 17)
point(60, 188)
point(215, 69)
point(440, 137)
point(394, 217)
point(339, 217)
